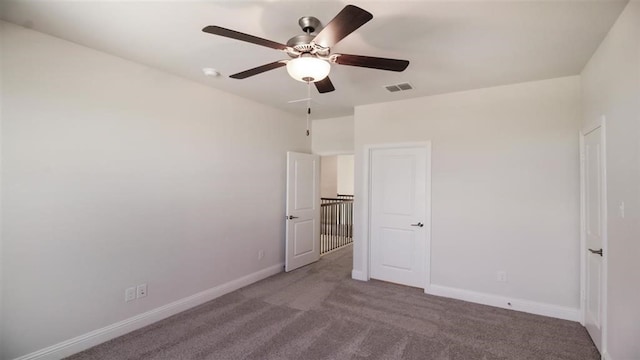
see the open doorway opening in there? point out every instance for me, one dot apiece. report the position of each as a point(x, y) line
point(336, 191)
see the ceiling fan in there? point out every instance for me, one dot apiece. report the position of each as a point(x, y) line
point(311, 56)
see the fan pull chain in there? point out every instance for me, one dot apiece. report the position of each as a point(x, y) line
point(308, 106)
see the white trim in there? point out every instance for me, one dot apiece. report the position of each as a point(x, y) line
point(358, 275)
point(532, 307)
point(334, 153)
point(2, 28)
point(600, 124)
point(606, 356)
point(605, 235)
point(85, 341)
point(583, 239)
point(365, 209)
point(427, 220)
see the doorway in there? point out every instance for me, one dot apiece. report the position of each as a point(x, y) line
point(336, 189)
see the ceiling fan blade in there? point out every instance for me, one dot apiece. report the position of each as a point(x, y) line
point(372, 62)
point(217, 30)
point(324, 85)
point(346, 22)
point(258, 70)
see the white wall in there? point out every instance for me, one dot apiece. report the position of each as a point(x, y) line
point(115, 174)
point(328, 176)
point(345, 174)
point(336, 175)
point(505, 186)
point(611, 87)
point(332, 136)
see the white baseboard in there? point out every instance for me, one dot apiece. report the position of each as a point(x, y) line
point(85, 341)
point(358, 275)
point(532, 307)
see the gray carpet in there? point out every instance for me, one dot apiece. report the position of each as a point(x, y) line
point(318, 312)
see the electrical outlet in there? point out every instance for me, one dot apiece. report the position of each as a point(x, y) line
point(130, 294)
point(260, 254)
point(501, 276)
point(621, 209)
point(141, 291)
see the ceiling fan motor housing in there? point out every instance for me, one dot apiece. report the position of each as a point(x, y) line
point(309, 24)
point(303, 43)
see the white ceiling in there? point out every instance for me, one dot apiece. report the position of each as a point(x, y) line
point(452, 45)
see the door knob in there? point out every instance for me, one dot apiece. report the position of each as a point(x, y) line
point(418, 224)
point(291, 217)
point(599, 252)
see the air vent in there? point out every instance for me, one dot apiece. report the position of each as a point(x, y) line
point(392, 88)
point(398, 87)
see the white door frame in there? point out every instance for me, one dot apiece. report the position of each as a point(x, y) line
point(600, 124)
point(362, 201)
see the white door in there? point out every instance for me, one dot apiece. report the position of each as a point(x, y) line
point(594, 220)
point(399, 224)
point(303, 210)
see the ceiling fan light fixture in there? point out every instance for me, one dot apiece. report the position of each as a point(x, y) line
point(308, 69)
